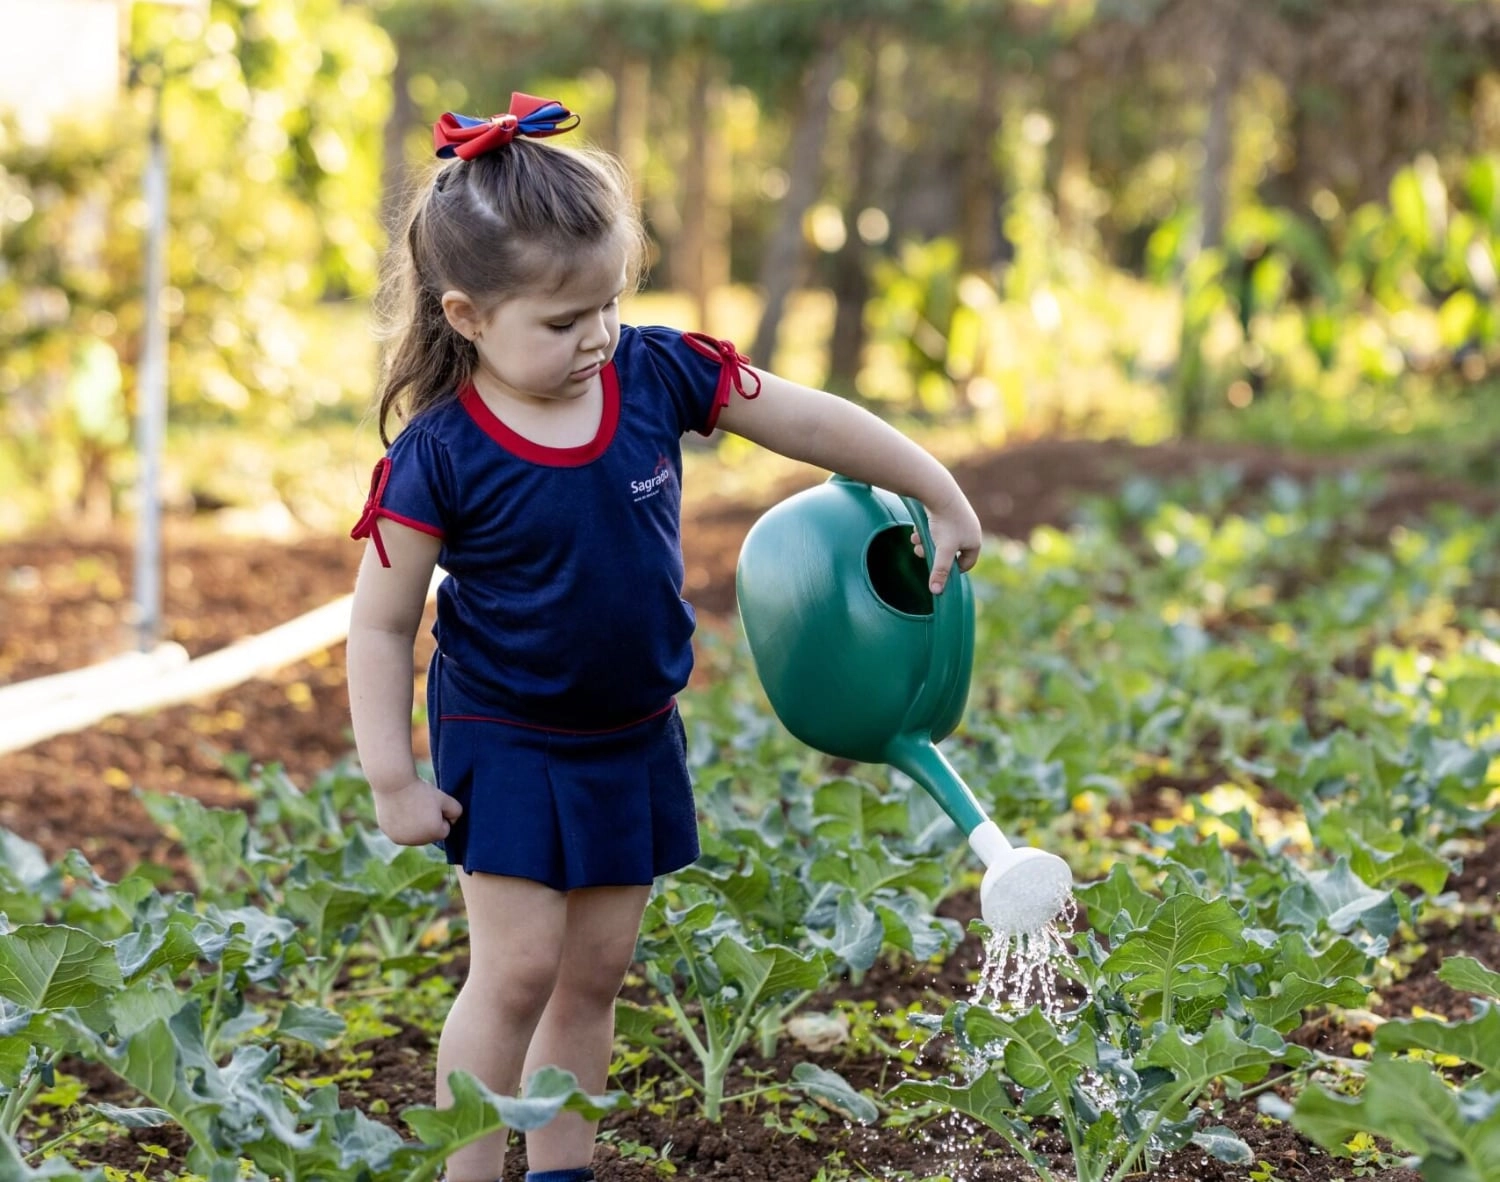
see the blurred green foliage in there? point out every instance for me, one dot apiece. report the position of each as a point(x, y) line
point(1390, 295)
point(267, 110)
point(1020, 191)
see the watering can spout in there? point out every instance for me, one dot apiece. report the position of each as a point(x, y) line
point(919, 758)
point(1023, 889)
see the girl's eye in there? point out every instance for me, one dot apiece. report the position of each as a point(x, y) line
point(572, 323)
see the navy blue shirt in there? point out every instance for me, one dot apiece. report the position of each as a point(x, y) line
point(563, 603)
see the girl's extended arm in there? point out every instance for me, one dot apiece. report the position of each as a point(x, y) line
point(832, 432)
point(388, 605)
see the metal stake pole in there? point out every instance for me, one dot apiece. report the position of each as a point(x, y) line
point(151, 396)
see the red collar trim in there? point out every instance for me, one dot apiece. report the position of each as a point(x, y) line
point(537, 453)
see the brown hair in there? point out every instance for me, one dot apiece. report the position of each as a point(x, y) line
point(490, 227)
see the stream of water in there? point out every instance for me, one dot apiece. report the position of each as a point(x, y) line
point(1021, 967)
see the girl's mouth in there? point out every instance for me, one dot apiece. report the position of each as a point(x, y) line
point(588, 371)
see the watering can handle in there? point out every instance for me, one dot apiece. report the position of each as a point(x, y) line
point(949, 625)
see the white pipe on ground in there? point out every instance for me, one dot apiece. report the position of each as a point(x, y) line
point(23, 697)
point(52, 714)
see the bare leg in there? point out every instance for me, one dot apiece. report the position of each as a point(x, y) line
point(516, 933)
point(576, 1031)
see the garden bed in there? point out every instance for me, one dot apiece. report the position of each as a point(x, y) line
point(63, 605)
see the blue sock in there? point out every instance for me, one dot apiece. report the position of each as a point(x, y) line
point(576, 1174)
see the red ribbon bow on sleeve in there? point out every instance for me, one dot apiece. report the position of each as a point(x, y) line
point(734, 370)
point(368, 525)
point(535, 118)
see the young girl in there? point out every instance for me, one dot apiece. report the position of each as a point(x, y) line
point(540, 466)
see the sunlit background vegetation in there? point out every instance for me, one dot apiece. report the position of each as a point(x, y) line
point(989, 219)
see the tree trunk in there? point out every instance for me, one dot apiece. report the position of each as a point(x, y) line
point(779, 272)
point(851, 276)
point(395, 177)
point(703, 247)
point(1074, 187)
point(718, 194)
point(632, 120)
point(1218, 146)
point(96, 494)
point(978, 180)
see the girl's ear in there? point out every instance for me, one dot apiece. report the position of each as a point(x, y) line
point(462, 314)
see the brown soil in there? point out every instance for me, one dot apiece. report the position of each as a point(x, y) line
point(64, 603)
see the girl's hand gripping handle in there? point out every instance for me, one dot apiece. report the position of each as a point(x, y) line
point(952, 537)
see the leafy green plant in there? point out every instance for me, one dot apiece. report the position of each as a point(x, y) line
point(785, 896)
point(1190, 995)
point(844, 866)
point(657, 1159)
point(52, 1169)
point(737, 983)
point(1117, 1115)
point(1452, 1132)
point(356, 892)
point(242, 1110)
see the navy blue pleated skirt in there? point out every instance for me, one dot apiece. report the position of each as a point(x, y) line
point(565, 809)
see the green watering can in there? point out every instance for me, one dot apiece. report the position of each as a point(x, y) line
point(861, 661)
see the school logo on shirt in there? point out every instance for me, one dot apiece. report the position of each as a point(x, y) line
point(641, 490)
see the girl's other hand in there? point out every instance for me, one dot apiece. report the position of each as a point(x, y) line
point(956, 535)
point(416, 814)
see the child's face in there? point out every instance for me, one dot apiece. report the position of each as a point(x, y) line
point(550, 343)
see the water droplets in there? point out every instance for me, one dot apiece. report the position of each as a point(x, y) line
point(1021, 968)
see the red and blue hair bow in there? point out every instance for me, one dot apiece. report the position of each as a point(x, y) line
point(535, 118)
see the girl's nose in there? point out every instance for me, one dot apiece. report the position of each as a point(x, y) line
point(597, 336)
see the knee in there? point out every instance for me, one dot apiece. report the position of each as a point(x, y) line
point(589, 987)
point(518, 989)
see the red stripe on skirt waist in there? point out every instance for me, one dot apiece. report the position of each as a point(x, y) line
point(558, 730)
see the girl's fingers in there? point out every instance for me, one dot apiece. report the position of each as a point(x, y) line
point(963, 559)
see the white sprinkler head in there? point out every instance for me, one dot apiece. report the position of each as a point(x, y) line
point(1024, 889)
